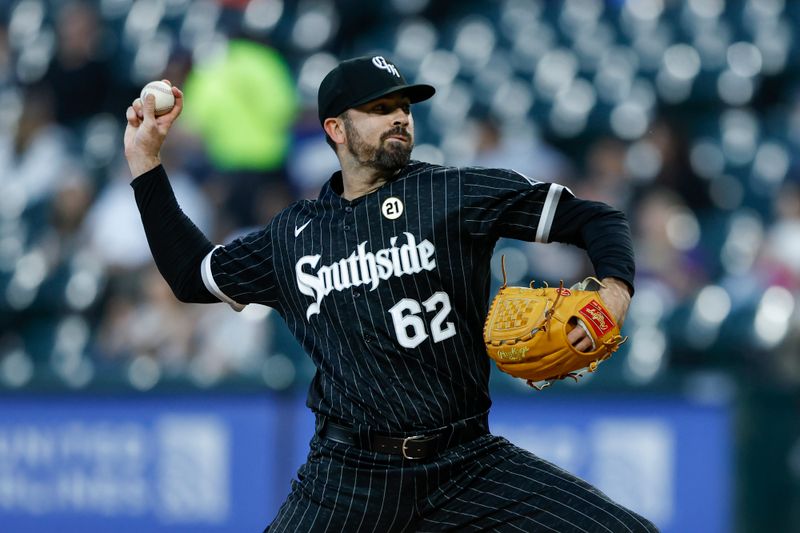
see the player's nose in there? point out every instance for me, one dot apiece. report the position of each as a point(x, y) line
point(400, 117)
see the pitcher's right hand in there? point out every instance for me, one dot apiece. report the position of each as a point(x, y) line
point(145, 132)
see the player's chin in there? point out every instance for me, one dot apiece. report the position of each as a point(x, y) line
point(394, 156)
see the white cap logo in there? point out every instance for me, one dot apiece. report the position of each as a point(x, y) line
point(382, 64)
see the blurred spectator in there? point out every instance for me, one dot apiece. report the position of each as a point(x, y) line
point(311, 161)
point(74, 278)
point(216, 357)
point(145, 319)
point(178, 67)
point(605, 178)
point(663, 255)
point(64, 235)
point(780, 258)
point(778, 265)
point(498, 146)
point(34, 154)
point(242, 104)
point(79, 72)
point(5, 56)
point(675, 170)
point(113, 223)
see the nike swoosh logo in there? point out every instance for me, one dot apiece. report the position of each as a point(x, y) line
point(301, 228)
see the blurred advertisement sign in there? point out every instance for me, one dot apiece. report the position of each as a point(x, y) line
point(666, 458)
point(225, 462)
point(136, 464)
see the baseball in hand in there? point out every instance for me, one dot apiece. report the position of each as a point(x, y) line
point(165, 100)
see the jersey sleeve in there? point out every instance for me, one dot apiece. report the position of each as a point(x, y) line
point(504, 203)
point(242, 272)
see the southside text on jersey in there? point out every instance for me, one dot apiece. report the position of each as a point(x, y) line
point(362, 268)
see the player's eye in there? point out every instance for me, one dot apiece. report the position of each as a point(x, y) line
point(385, 109)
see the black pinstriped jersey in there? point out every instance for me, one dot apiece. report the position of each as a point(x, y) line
point(387, 293)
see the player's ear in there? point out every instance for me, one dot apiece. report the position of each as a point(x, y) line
point(334, 127)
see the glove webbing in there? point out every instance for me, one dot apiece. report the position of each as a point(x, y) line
point(550, 312)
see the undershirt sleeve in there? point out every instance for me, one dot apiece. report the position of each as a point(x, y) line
point(602, 231)
point(177, 245)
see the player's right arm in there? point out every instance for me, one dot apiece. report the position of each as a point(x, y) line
point(145, 132)
point(177, 245)
point(196, 271)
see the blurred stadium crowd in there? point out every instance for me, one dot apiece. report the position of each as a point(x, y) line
point(683, 114)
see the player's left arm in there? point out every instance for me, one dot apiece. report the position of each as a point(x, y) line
point(505, 203)
point(604, 233)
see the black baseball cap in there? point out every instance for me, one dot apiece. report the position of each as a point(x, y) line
point(357, 81)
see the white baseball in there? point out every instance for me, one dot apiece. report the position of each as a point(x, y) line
point(165, 100)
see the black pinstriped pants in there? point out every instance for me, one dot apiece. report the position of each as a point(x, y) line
point(487, 484)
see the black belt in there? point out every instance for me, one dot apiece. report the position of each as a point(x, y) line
point(416, 447)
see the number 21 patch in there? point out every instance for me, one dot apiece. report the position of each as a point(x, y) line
point(392, 208)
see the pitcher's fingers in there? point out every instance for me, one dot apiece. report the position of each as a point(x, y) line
point(576, 335)
point(578, 338)
point(138, 108)
point(585, 345)
point(149, 107)
point(178, 94)
point(133, 118)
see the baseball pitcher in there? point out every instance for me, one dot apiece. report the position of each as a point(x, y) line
point(384, 280)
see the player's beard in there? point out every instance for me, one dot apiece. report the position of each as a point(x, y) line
point(386, 157)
